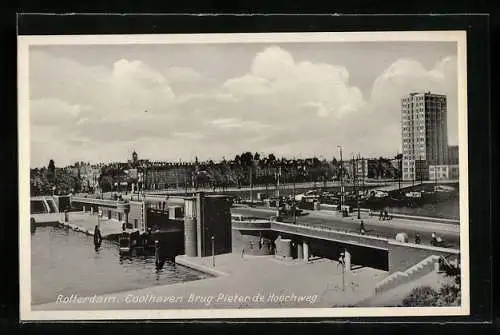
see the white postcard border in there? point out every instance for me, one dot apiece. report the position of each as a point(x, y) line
point(24, 42)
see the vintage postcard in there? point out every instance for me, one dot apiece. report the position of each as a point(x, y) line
point(243, 175)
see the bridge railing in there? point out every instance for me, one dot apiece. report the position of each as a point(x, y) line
point(328, 228)
point(94, 201)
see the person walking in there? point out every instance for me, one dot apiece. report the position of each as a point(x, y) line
point(433, 239)
point(362, 227)
point(417, 238)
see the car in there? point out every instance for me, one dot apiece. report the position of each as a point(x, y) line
point(380, 194)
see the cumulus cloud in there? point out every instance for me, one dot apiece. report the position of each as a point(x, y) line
point(51, 111)
point(275, 76)
point(291, 107)
point(408, 75)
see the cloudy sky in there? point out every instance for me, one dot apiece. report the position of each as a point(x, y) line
point(177, 101)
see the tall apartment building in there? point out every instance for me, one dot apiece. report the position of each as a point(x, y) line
point(424, 134)
point(453, 154)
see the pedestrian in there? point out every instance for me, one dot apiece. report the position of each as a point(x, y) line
point(242, 253)
point(417, 238)
point(386, 215)
point(362, 227)
point(433, 239)
point(381, 217)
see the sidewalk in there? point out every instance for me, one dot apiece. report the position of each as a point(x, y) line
point(373, 220)
point(395, 222)
point(86, 223)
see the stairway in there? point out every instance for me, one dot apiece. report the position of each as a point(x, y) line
point(418, 270)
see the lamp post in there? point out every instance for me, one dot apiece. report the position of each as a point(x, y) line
point(294, 205)
point(213, 251)
point(357, 188)
point(251, 184)
point(400, 173)
point(341, 177)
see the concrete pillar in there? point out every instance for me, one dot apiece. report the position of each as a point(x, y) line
point(83, 209)
point(305, 246)
point(347, 260)
point(200, 224)
point(300, 251)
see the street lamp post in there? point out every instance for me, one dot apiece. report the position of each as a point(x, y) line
point(357, 189)
point(294, 204)
point(400, 173)
point(251, 185)
point(213, 251)
point(341, 177)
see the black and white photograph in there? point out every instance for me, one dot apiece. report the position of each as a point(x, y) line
point(197, 176)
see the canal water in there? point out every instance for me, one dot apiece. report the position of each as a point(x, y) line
point(65, 262)
point(446, 209)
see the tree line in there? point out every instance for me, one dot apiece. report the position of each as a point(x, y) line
point(242, 170)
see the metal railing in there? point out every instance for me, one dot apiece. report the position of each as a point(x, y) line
point(327, 228)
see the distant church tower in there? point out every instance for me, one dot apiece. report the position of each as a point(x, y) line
point(134, 158)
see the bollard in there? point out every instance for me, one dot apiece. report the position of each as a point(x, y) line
point(347, 260)
point(305, 250)
point(300, 251)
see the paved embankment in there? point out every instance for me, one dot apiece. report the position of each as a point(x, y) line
point(85, 222)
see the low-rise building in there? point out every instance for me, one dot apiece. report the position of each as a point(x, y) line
point(357, 168)
point(443, 172)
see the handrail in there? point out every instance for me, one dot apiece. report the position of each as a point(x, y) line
point(445, 259)
point(330, 229)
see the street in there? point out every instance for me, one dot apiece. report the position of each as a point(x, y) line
point(386, 229)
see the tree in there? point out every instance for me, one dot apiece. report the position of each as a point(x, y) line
point(448, 295)
point(247, 159)
point(237, 160)
point(256, 156)
point(51, 167)
point(51, 171)
point(421, 296)
point(106, 182)
point(272, 159)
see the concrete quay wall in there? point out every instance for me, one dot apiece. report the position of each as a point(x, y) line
point(404, 255)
